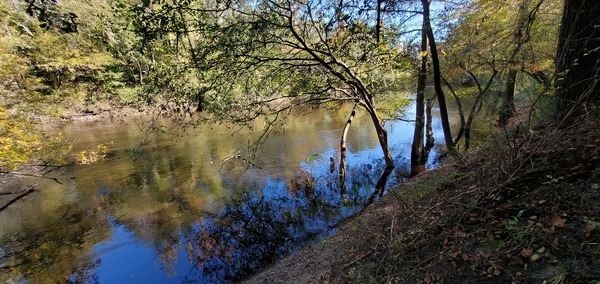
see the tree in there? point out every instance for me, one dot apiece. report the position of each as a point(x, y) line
point(578, 59)
point(437, 77)
point(489, 44)
point(418, 158)
point(343, 151)
point(264, 58)
point(521, 35)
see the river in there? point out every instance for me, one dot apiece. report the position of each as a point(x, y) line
point(191, 207)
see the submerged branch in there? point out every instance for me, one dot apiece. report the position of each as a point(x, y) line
point(24, 193)
point(36, 176)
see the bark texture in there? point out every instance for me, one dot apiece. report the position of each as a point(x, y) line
point(577, 59)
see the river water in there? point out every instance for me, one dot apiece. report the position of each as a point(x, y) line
point(192, 207)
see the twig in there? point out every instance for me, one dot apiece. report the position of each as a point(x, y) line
point(405, 204)
point(357, 259)
point(22, 195)
point(36, 176)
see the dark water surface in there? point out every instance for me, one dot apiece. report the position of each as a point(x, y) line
point(182, 210)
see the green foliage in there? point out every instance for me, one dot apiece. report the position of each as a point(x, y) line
point(88, 65)
point(553, 180)
point(483, 36)
point(249, 56)
point(42, 68)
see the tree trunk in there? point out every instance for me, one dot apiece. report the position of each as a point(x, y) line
point(477, 105)
point(429, 140)
point(508, 97)
point(577, 58)
point(350, 78)
point(383, 140)
point(417, 151)
point(437, 81)
point(521, 36)
point(461, 113)
point(343, 151)
point(378, 22)
point(200, 99)
point(381, 132)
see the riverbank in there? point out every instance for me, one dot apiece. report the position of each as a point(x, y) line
point(93, 112)
point(524, 209)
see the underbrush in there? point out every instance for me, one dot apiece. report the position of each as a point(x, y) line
point(523, 209)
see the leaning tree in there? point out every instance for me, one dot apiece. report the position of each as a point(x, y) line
point(265, 57)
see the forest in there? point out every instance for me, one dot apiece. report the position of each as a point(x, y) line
point(510, 86)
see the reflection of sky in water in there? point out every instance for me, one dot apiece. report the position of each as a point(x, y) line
point(123, 258)
point(146, 246)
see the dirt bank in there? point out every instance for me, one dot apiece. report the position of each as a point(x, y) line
point(525, 209)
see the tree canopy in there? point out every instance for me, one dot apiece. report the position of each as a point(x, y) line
point(238, 60)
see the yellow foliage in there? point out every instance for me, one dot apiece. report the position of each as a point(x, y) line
point(18, 141)
point(22, 142)
point(90, 156)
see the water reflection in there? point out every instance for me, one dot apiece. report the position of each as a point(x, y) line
point(170, 212)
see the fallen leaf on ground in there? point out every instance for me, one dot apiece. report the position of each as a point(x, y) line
point(460, 234)
point(526, 252)
point(588, 233)
point(555, 221)
point(455, 252)
point(428, 278)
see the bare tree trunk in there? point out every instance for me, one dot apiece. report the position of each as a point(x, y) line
point(461, 113)
point(343, 151)
point(508, 105)
point(521, 36)
point(383, 139)
point(378, 21)
point(417, 151)
point(437, 81)
point(465, 125)
point(577, 60)
point(477, 104)
point(352, 80)
point(429, 140)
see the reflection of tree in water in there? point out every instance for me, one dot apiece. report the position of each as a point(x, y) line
point(370, 180)
point(162, 208)
point(53, 254)
point(85, 274)
point(263, 225)
point(249, 233)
